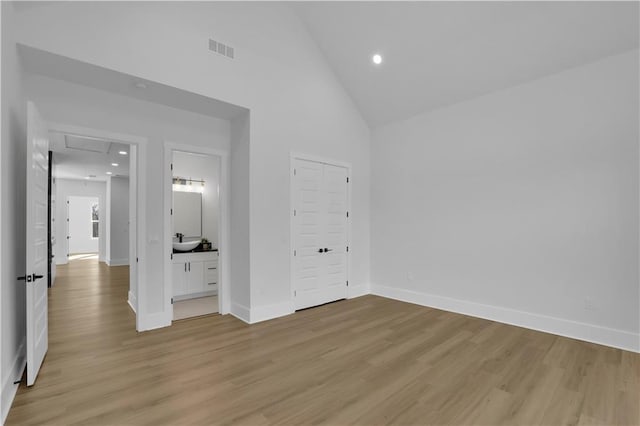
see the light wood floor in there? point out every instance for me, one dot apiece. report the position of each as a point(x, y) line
point(199, 306)
point(364, 361)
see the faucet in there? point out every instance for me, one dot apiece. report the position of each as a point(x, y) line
point(179, 236)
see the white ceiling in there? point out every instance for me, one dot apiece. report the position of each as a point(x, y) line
point(78, 157)
point(62, 68)
point(439, 53)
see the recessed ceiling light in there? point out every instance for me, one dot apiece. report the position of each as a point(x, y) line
point(109, 173)
point(377, 59)
point(115, 164)
point(122, 152)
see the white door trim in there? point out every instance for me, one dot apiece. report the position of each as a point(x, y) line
point(224, 262)
point(141, 201)
point(323, 160)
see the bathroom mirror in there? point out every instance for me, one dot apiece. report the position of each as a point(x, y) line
point(187, 213)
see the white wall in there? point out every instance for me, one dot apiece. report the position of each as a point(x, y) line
point(66, 188)
point(12, 214)
point(239, 222)
point(207, 168)
point(117, 217)
point(522, 201)
point(80, 226)
point(295, 100)
point(68, 103)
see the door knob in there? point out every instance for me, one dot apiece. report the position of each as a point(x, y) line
point(319, 250)
point(327, 249)
point(37, 277)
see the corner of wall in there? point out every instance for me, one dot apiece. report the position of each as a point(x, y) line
point(133, 302)
point(241, 312)
point(358, 290)
point(149, 322)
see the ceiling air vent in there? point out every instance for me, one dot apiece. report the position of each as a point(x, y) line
point(221, 48)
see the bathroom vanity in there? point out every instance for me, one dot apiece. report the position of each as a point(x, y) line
point(195, 274)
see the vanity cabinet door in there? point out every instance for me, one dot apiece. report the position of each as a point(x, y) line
point(179, 276)
point(195, 280)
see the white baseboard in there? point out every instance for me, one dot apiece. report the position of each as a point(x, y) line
point(358, 290)
point(577, 330)
point(267, 312)
point(133, 302)
point(117, 262)
point(241, 312)
point(152, 321)
point(9, 389)
point(264, 313)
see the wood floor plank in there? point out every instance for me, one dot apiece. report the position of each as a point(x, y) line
point(366, 361)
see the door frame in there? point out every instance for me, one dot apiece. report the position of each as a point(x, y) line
point(323, 160)
point(138, 238)
point(224, 284)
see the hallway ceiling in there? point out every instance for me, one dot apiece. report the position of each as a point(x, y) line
point(440, 53)
point(77, 157)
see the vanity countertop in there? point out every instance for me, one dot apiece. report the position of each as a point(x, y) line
point(195, 250)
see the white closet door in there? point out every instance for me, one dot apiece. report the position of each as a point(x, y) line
point(320, 233)
point(335, 237)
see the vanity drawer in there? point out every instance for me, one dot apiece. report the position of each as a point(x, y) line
point(211, 275)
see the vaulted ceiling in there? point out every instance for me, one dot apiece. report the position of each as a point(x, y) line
point(440, 53)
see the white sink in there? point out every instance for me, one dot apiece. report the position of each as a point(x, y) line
point(186, 245)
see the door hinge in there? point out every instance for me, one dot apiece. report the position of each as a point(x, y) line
point(295, 293)
point(347, 249)
point(347, 180)
point(294, 172)
point(347, 283)
point(172, 256)
point(136, 260)
point(172, 300)
point(294, 212)
point(171, 166)
point(171, 212)
point(347, 214)
point(295, 253)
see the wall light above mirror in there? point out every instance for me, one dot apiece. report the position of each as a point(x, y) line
point(188, 185)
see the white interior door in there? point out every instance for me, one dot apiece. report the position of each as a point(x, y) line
point(320, 227)
point(80, 222)
point(36, 267)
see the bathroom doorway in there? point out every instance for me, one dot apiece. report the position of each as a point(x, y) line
point(195, 233)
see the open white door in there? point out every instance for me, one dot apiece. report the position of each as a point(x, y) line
point(36, 268)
